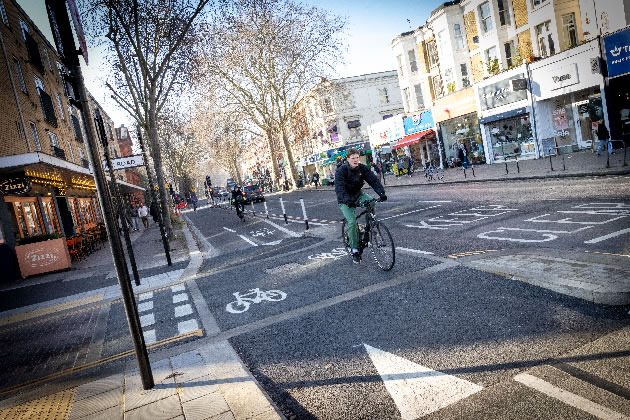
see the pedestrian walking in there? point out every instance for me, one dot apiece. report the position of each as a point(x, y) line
point(315, 179)
point(604, 138)
point(133, 213)
point(193, 200)
point(154, 210)
point(143, 212)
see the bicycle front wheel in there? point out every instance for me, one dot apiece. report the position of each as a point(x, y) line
point(382, 246)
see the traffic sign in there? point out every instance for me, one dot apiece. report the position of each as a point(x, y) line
point(126, 162)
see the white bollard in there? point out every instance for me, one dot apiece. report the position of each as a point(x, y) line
point(284, 213)
point(304, 213)
point(266, 209)
point(253, 209)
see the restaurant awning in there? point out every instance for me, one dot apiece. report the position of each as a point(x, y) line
point(411, 139)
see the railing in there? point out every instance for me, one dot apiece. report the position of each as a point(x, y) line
point(59, 152)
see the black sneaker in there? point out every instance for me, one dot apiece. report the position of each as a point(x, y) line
point(356, 257)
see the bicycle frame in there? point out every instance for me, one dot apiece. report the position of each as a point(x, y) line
point(370, 218)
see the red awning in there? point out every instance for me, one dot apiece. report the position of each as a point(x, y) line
point(411, 139)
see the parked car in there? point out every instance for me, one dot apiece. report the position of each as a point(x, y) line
point(229, 184)
point(253, 193)
point(222, 192)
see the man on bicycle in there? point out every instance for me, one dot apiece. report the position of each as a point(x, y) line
point(349, 179)
point(237, 200)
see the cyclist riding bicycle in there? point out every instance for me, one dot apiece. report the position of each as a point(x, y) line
point(349, 179)
point(237, 200)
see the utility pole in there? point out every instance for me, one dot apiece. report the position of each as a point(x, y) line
point(62, 32)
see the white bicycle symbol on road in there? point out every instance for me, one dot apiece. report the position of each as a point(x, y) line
point(243, 301)
point(262, 232)
point(334, 254)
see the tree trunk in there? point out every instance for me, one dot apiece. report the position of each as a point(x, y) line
point(157, 161)
point(287, 146)
point(275, 171)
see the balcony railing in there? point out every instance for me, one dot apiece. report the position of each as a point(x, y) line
point(59, 152)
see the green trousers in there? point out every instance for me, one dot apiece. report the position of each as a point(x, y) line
point(351, 218)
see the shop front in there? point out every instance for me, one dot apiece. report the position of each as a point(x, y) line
point(383, 135)
point(456, 118)
point(617, 47)
point(419, 131)
point(505, 122)
point(568, 102)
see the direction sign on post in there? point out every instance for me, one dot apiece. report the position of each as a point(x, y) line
point(78, 28)
point(126, 162)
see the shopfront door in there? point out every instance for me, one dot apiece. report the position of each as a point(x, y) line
point(584, 124)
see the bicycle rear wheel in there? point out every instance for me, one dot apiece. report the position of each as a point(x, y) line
point(382, 246)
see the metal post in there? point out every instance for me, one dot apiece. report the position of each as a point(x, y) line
point(506, 168)
point(473, 169)
point(550, 162)
point(624, 154)
point(464, 173)
point(284, 213)
point(167, 247)
point(116, 196)
point(304, 213)
point(60, 23)
point(518, 168)
point(564, 167)
point(266, 209)
point(608, 154)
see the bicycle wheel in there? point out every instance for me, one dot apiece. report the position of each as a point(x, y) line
point(382, 246)
point(275, 295)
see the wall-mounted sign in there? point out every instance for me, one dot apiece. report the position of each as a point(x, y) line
point(15, 185)
point(618, 53)
point(519, 84)
point(454, 105)
point(125, 162)
point(501, 93)
point(419, 122)
point(386, 131)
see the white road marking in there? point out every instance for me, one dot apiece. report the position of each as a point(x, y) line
point(417, 251)
point(567, 397)
point(416, 389)
point(178, 288)
point(610, 235)
point(282, 229)
point(146, 320)
point(145, 296)
point(228, 229)
point(181, 297)
point(409, 212)
point(246, 239)
point(149, 336)
point(569, 220)
point(145, 306)
point(298, 221)
point(183, 310)
point(435, 201)
point(273, 243)
point(187, 326)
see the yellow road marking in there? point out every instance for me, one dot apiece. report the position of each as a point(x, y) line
point(290, 217)
point(315, 220)
point(50, 309)
point(468, 254)
point(56, 375)
point(608, 253)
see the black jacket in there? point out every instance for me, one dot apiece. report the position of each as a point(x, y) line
point(349, 182)
point(602, 132)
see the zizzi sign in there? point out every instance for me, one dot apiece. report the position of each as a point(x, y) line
point(501, 93)
point(618, 53)
point(15, 186)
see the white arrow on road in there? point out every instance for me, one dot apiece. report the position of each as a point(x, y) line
point(418, 390)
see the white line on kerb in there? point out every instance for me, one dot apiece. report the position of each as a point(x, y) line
point(228, 229)
point(610, 235)
point(417, 251)
point(246, 239)
point(567, 397)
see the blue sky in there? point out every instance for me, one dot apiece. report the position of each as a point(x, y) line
point(371, 27)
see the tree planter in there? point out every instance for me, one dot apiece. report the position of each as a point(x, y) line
point(42, 257)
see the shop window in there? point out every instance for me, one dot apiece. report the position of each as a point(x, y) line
point(432, 52)
point(383, 94)
point(504, 14)
point(27, 220)
point(51, 215)
point(511, 138)
point(5, 18)
point(419, 99)
point(570, 30)
point(462, 130)
point(38, 145)
point(20, 75)
point(544, 38)
point(412, 61)
point(400, 65)
point(465, 79)
point(459, 36)
point(485, 17)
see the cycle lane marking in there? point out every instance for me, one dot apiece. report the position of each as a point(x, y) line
point(229, 230)
point(246, 239)
point(415, 251)
point(244, 301)
point(609, 236)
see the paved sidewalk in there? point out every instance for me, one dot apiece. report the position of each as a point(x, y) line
point(194, 380)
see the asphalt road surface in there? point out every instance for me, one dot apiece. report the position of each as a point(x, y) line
point(437, 336)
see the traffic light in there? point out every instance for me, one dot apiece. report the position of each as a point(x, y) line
point(208, 182)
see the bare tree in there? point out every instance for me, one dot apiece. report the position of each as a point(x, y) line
point(265, 56)
point(148, 44)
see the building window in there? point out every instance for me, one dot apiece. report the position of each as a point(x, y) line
point(46, 102)
point(436, 86)
point(348, 100)
point(544, 39)
point(384, 95)
point(400, 65)
point(18, 70)
point(509, 50)
point(434, 58)
point(537, 3)
point(504, 14)
point(412, 61)
point(3, 13)
point(24, 28)
point(419, 99)
point(459, 37)
point(54, 141)
point(47, 57)
point(491, 56)
point(60, 107)
point(407, 98)
point(486, 17)
point(570, 30)
point(448, 80)
point(38, 145)
point(327, 108)
point(464, 71)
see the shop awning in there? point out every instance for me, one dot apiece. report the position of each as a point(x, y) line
point(411, 139)
point(333, 159)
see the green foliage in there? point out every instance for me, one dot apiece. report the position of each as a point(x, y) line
point(493, 66)
point(451, 87)
point(38, 238)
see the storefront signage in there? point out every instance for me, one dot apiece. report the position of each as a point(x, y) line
point(419, 122)
point(501, 93)
point(560, 122)
point(125, 162)
point(42, 257)
point(15, 186)
point(560, 77)
point(519, 84)
point(387, 131)
point(618, 53)
point(454, 105)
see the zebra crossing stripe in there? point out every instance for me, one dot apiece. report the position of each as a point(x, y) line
point(569, 398)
